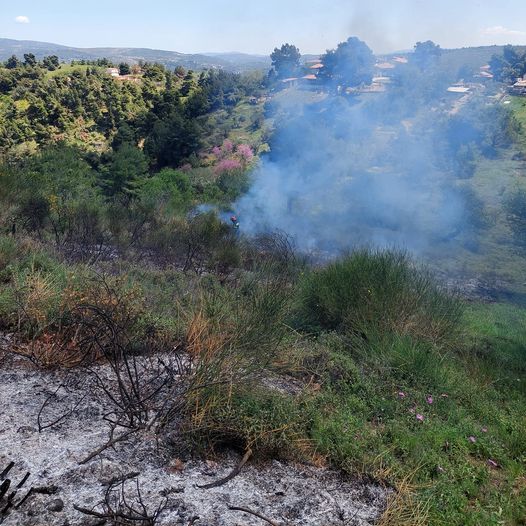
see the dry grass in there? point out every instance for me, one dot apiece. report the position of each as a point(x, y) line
point(403, 505)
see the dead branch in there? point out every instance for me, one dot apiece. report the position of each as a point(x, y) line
point(92, 513)
point(118, 510)
point(231, 475)
point(255, 513)
point(108, 444)
point(117, 480)
point(62, 417)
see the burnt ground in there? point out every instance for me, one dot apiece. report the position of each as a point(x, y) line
point(286, 493)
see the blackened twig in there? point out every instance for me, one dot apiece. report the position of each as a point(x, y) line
point(231, 475)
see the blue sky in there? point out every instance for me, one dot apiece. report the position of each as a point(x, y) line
point(258, 26)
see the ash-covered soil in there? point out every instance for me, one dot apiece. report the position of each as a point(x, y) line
point(286, 493)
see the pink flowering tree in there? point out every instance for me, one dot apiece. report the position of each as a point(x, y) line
point(227, 147)
point(244, 151)
point(217, 152)
point(227, 166)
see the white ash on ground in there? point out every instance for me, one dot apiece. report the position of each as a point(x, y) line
point(286, 493)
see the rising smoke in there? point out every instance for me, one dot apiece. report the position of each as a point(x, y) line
point(369, 170)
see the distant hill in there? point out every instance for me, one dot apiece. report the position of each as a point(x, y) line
point(229, 61)
point(232, 61)
point(471, 57)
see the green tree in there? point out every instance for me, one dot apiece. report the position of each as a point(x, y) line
point(180, 72)
point(30, 60)
point(51, 63)
point(426, 54)
point(12, 62)
point(350, 64)
point(168, 192)
point(172, 140)
point(127, 168)
point(286, 61)
point(188, 84)
point(509, 65)
point(124, 68)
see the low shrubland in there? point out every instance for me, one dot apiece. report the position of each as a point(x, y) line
point(364, 364)
point(377, 291)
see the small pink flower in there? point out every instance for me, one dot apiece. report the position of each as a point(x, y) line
point(492, 463)
point(484, 429)
point(401, 394)
point(429, 399)
point(472, 439)
point(420, 417)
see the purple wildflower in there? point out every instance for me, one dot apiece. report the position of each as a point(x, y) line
point(472, 439)
point(429, 399)
point(420, 417)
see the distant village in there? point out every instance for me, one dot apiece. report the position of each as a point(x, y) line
point(383, 76)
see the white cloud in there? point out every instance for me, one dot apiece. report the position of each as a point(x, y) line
point(22, 19)
point(502, 31)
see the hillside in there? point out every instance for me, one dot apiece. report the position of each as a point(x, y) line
point(171, 59)
point(224, 292)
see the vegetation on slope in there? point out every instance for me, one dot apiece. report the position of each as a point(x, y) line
point(365, 364)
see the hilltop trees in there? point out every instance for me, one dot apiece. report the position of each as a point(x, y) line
point(12, 62)
point(508, 66)
point(30, 60)
point(426, 54)
point(350, 64)
point(286, 61)
point(51, 63)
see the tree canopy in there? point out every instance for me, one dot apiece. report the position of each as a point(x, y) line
point(508, 66)
point(286, 61)
point(350, 64)
point(426, 54)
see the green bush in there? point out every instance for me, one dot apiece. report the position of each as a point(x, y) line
point(515, 207)
point(368, 292)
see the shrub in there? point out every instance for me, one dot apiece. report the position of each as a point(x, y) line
point(376, 291)
point(515, 207)
point(232, 337)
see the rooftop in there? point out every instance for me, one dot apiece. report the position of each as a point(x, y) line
point(458, 89)
point(385, 65)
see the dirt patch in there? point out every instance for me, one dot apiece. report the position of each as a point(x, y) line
point(289, 494)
